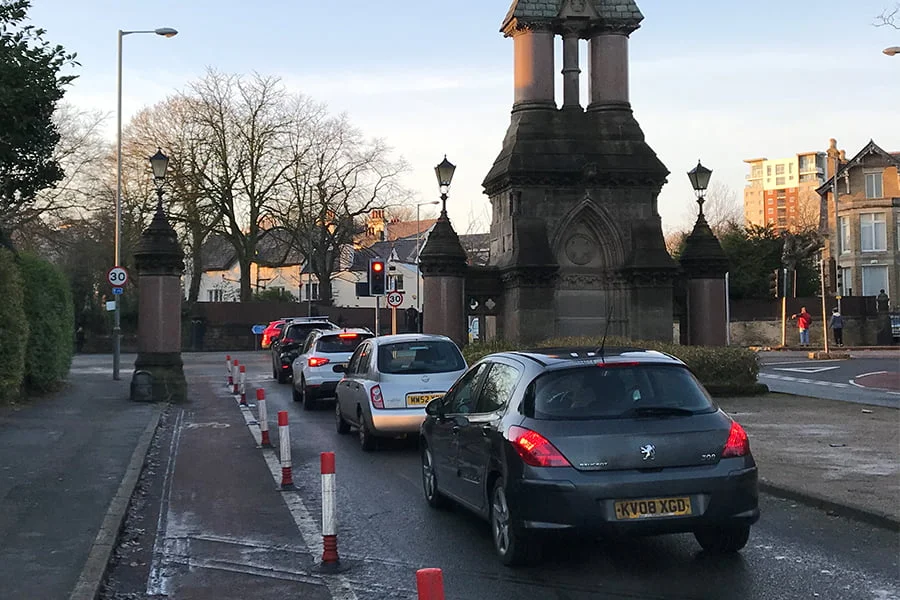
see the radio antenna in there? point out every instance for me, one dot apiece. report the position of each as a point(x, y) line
point(605, 333)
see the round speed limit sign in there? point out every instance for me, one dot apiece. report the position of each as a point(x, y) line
point(395, 299)
point(117, 277)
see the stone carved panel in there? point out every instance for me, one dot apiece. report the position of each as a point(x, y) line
point(580, 249)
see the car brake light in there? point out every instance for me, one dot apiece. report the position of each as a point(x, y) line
point(377, 399)
point(614, 365)
point(348, 336)
point(535, 449)
point(315, 361)
point(737, 444)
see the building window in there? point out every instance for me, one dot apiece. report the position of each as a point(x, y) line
point(779, 180)
point(396, 283)
point(311, 291)
point(874, 279)
point(846, 281)
point(873, 185)
point(844, 239)
point(768, 170)
point(779, 169)
point(790, 168)
point(872, 232)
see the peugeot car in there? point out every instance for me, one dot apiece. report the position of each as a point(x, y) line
point(575, 440)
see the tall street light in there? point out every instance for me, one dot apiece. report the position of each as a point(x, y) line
point(117, 344)
point(700, 177)
point(444, 172)
point(419, 248)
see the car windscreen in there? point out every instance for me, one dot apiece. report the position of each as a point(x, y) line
point(430, 356)
point(597, 392)
point(342, 342)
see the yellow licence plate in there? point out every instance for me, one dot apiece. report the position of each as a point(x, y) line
point(650, 508)
point(421, 399)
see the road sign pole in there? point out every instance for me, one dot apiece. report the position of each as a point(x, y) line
point(393, 320)
point(377, 314)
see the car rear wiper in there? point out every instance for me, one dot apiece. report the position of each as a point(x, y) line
point(653, 411)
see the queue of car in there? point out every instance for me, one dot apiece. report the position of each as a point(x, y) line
point(553, 441)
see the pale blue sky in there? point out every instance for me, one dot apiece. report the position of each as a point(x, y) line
point(712, 79)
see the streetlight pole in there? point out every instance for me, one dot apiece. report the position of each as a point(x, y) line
point(117, 318)
point(419, 250)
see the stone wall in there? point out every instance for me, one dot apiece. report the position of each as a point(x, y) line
point(858, 331)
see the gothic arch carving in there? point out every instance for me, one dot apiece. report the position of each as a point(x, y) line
point(588, 215)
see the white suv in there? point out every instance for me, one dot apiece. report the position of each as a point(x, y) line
point(314, 370)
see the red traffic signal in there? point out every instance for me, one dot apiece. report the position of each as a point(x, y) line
point(376, 277)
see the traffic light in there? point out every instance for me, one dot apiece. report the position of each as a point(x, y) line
point(376, 277)
point(773, 283)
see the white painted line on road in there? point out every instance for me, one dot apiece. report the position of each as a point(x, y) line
point(807, 370)
point(158, 581)
point(872, 373)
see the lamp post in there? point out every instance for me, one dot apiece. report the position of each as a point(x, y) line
point(165, 32)
point(419, 248)
point(700, 177)
point(444, 172)
point(159, 162)
point(893, 50)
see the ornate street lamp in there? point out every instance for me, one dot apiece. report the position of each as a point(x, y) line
point(699, 177)
point(444, 172)
point(159, 162)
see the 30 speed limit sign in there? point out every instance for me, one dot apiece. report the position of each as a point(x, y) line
point(117, 277)
point(395, 299)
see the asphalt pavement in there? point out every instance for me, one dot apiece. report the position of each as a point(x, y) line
point(205, 519)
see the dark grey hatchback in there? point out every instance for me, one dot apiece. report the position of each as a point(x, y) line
point(572, 440)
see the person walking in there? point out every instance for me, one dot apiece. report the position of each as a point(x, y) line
point(804, 320)
point(837, 326)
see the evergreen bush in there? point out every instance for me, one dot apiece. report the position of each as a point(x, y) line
point(51, 321)
point(13, 328)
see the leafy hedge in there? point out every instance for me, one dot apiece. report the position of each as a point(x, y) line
point(51, 320)
point(722, 370)
point(13, 328)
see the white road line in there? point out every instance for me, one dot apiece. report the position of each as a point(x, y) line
point(338, 585)
point(157, 580)
point(872, 373)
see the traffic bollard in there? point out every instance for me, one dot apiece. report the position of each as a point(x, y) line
point(263, 418)
point(329, 508)
point(430, 584)
point(234, 377)
point(284, 439)
point(243, 385)
point(228, 370)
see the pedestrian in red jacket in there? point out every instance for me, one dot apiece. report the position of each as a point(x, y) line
point(804, 320)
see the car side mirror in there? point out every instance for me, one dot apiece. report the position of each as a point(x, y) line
point(435, 408)
point(339, 368)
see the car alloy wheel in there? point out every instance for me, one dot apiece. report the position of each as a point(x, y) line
point(307, 397)
point(343, 427)
point(513, 545)
point(429, 480)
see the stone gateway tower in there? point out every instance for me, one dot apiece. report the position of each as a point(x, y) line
point(576, 237)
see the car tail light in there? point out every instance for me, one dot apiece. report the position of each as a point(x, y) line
point(348, 336)
point(535, 449)
point(617, 365)
point(377, 399)
point(315, 361)
point(737, 444)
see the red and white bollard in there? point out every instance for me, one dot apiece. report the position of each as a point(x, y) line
point(264, 441)
point(243, 385)
point(329, 508)
point(430, 584)
point(228, 370)
point(234, 377)
point(284, 439)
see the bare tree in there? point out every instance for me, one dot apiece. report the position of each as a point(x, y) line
point(245, 126)
point(171, 125)
point(721, 207)
point(337, 179)
point(889, 17)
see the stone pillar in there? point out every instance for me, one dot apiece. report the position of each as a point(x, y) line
point(571, 71)
point(533, 60)
point(444, 262)
point(160, 264)
point(705, 264)
point(609, 70)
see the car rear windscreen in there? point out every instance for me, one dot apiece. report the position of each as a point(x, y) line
point(342, 342)
point(420, 357)
point(597, 392)
point(299, 331)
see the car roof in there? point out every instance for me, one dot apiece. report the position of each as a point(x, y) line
point(410, 337)
point(571, 356)
point(359, 330)
point(308, 319)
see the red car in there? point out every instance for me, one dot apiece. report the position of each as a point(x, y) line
point(272, 332)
